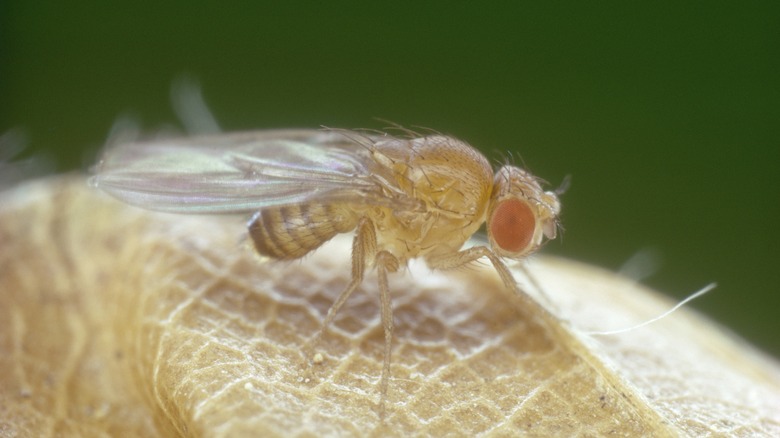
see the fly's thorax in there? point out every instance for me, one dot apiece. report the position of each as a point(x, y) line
point(292, 231)
point(445, 173)
point(521, 214)
point(410, 234)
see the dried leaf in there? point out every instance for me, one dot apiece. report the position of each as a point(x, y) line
point(118, 321)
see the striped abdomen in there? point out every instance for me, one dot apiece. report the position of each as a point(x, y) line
point(292, 231)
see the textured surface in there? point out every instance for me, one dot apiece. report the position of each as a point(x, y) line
point(117, 321)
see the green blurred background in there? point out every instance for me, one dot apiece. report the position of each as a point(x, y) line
point(667, 115)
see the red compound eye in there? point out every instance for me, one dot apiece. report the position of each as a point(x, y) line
point(512, 225)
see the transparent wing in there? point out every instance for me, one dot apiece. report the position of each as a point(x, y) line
point(244, 171)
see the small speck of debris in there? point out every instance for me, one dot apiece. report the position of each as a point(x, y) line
point(249, 386)
point(101, 411)
point(318, 359)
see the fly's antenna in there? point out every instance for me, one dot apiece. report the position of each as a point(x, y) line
point(687, 300)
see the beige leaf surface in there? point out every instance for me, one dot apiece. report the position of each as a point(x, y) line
point(115, 321)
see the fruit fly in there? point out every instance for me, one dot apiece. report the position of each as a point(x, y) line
point(404, 197)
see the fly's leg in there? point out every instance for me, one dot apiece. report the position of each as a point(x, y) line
point(460, 258)
point(532, 279)
point(363, 249)
point(385, 262)
point(469, 255)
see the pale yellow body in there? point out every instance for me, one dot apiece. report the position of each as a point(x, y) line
point(447, 180)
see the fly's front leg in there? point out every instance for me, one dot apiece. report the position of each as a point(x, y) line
point(461, 258)
point(363, 250)
point(469, 255)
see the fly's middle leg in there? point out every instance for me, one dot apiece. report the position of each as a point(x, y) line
point(363, 250)
point(385, 262)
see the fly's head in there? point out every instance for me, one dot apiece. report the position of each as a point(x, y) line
point(520, 214)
